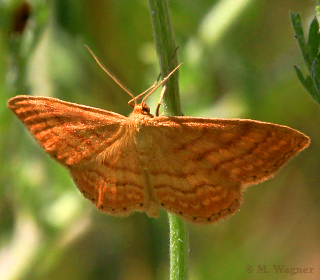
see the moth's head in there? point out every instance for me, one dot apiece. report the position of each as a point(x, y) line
point(142, 109)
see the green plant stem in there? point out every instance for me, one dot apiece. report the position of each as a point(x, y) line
point(165, 46)
point(179, 248)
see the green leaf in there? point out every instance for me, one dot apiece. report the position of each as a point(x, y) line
point(311, 89)
point(314, 38)
point(305, 48)
point(307, 83)
point(316, 79)
point(300, 75)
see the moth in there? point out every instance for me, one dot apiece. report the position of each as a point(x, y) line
point(196, 168)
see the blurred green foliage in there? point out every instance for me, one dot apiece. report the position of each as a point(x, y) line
point(311, 56)
point(238, 62)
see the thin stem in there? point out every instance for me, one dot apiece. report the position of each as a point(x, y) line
point(165, 46)
point(179, 248)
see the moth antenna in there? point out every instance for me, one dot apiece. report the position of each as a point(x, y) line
point(150, 88)
point(113, 78)
point(161, 83)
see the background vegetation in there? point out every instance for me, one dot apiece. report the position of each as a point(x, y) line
point(238, 62)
